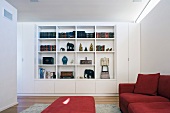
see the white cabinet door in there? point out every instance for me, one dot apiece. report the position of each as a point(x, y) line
point(84, 86)
point(134, 51)
point(44, 86)
point(122, 53)
point(106, 86)
point(65, 86)
point(28, 35)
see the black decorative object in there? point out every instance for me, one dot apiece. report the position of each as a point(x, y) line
point(64, 60)
point(70, 47)
point(88, 73)
point(48, 60)
point(85, 49)
point(62, 49)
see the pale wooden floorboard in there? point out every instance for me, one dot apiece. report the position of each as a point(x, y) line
point(27, 101)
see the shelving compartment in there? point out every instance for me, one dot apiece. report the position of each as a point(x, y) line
point(66, 32)
point(85, 31)
point(46, 52)
point(111, 65)
point(105, 32)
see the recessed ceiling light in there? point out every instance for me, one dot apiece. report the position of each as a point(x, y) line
point(137, 0)
point(34, 0)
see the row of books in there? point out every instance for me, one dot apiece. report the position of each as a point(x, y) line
point(47, 34)
point(83, 34)
point(105, 35)
point(66, 35)
point(48, 48)
point(100, 47)
point(44, 74)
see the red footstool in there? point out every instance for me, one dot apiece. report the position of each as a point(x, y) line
point(72, 104)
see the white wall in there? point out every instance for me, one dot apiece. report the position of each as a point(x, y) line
point(8, 57)
point(155, 40)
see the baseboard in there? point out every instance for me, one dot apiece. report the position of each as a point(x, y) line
point(67, 94)
point(8, 106)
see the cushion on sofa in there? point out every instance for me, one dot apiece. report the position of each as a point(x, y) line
point(127, 98)
point(147, 84)
point(163, 86)
point(155, 107)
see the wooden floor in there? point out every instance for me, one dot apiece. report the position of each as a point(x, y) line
point(25, 102)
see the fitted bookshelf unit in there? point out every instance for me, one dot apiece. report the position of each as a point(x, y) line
point(101, 38)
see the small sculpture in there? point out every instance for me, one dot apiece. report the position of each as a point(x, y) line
point(64, 60)
point(72, 61)
point(62, 49)
point(107, 49)
point(80, 47)
point(70, 47)
point(110, 49)
point(91, 47)
point(85, 49)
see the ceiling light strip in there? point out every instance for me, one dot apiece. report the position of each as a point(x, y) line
point(148, 7)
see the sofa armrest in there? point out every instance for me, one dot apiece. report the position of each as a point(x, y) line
point(126, 87)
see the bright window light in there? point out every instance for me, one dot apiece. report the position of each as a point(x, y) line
point(147, 9)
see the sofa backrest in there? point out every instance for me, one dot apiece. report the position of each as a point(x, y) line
point(164, 86)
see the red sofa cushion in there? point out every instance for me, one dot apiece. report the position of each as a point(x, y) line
point(76, 104)
point(147, 84)
point(163, 86)
point(155, 107)
point(127, 98)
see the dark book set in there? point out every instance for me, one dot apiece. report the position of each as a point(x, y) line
point(67, 34)
point(100, 47)
point(47, 34)
point(105, 35)
point(46, 74)
point(48, 48)
point(83, 34)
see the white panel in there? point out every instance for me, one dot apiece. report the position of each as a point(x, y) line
point(8, 56)
point(19, 57)
point(44, 86)
point(65, 86)
point(84, 86)
point(106, 86)
point(122, 53)
point(28, 58)
point(134, 51)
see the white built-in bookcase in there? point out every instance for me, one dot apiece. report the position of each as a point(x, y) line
point(76, 55)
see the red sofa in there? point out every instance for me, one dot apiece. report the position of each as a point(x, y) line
point(133, 101)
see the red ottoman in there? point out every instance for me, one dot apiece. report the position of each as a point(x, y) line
point(72, 104)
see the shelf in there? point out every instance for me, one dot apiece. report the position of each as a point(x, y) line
point(66, 52)
point(46, 65)
point(85, 39)
point(47, 39)
point(85, 65)
point(105, 51)
point(85, 51)
point(66, 39)
point(105, 39)
point(47, 52)
point(66, 65)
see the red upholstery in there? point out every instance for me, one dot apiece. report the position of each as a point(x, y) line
point(77, 104)
point(164, 86)
point(131, 102)
point(155, 107)
point(127, 98)
point(147, 84)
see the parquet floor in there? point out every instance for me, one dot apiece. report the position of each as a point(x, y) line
point(26, 101)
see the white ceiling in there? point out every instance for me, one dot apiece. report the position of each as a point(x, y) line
point(78, 10)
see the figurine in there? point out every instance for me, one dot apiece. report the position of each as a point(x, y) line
point(72, 61)
point(91, 47)
point(64, 60)
point(70, 47)
point(80, 47)
point(62, 49)
point(107, 49)
point(85, 49)
point(110, 49)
